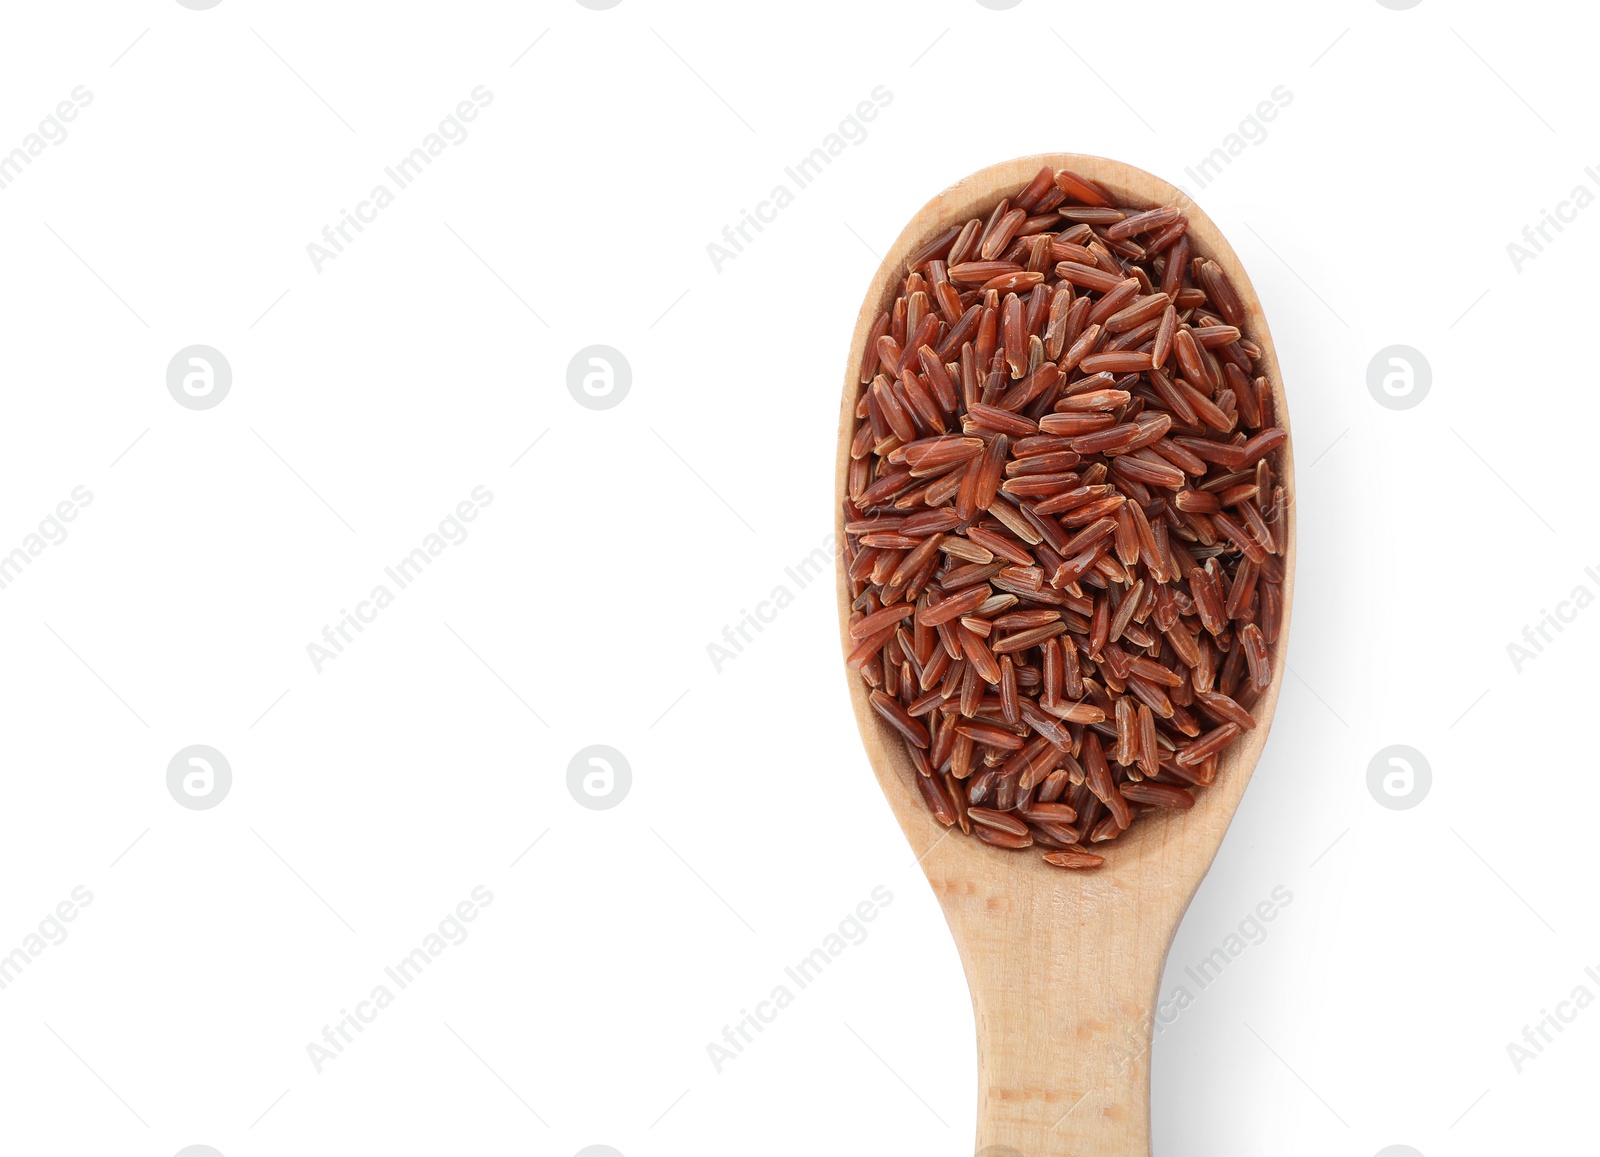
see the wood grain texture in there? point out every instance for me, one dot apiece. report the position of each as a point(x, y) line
point(1064, 966)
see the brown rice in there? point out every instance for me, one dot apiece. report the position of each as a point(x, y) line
point(1064, 525)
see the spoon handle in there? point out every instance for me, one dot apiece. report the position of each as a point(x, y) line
point(1063, 989)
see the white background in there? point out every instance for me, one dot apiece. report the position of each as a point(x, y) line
point(371, 397)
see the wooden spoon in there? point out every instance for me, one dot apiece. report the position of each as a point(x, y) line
point(1064, 966)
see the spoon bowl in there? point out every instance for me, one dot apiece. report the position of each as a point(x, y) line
point(1064, 966)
